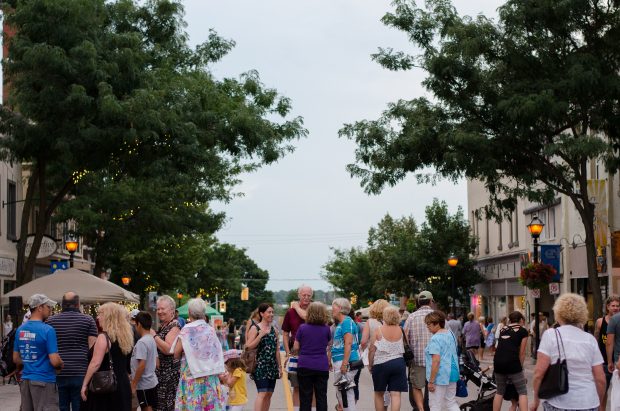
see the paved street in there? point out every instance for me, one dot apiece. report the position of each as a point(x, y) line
point(9, 394)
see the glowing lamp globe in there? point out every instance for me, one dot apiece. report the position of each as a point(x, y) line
point(535, 227)
point(453, 261)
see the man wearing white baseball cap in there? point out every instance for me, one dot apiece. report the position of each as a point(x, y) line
point(36, 350)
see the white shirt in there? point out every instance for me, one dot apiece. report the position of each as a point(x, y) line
point(582, 353)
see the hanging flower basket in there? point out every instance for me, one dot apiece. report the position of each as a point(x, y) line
point(536, 275)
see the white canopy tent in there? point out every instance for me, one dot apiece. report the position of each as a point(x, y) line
point(90, 288)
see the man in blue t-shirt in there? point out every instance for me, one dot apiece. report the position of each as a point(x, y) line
point(36, 350)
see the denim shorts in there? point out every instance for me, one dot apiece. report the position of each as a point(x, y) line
point(265, 385)
point(390, 376)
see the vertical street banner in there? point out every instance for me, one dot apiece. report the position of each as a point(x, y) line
point(550, 254)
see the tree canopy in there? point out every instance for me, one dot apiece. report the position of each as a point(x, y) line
point(113, 110)
point(403, 259)
point(524, 104)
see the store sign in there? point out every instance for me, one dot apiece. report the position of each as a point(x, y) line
point(48, 246)
point(7, 267)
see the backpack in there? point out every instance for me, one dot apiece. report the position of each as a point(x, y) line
point(248, 356)
point(7, 365)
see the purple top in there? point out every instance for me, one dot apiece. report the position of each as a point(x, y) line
point(313, 341)
point(472, 332)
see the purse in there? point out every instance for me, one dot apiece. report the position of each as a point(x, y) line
point(408, 354)
point(104, 382)
point(357, 364)
point(555, 380)
point(461, 388)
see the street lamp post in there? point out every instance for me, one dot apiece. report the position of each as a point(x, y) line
point(535, 227)
point(453, 260)
point(71, 245)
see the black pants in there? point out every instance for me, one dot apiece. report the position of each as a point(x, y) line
point(312, 381)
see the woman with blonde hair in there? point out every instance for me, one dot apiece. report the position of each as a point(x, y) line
point(583, 358)
point(202, 360)
point(386, 362)
point(112, 348)
point(375, 314)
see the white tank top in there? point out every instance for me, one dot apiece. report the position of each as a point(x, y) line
point(387, 350)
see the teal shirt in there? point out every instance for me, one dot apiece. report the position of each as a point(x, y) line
point(347, 326)
point(443, 344)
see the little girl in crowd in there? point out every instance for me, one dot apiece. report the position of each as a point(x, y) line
point(234, 378)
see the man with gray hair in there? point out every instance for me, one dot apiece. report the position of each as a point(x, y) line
point(293, 319)
point(76, 333)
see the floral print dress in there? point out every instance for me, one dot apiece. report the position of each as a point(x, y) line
point(266, 364)
point(167, 373)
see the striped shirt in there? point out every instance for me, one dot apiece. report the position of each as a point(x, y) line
point(418, 334)
point(72, 330)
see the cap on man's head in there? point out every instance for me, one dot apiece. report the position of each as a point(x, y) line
point(40, 299)
point(425, 295)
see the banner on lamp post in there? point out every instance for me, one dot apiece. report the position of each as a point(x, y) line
point(550, 254)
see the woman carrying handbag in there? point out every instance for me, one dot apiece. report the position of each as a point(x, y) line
point(111, 351)
point(581, 363)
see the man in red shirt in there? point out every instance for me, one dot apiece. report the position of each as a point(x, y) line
point(295, 316)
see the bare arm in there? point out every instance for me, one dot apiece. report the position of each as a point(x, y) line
point(101, 346)
point(56, 361)
point(436, 358)
point(164, 345)
point(300, 311)
point(254, 337)
point(17, 359)
point(285, 342)
point(609, 346)
point(229, 380)
point(296, 346)
point(91, 341)
point(278, 360)
point(371, 352)
point(178, 349)
point(365, 335)
point(600, 381)
point(138, 374)
point(542, 363)
point(348, 343)
point(522, 350)
point(597, 328)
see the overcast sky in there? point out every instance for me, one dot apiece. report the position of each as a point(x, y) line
point(318, 54)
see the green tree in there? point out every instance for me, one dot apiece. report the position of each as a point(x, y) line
point(440, 236)
point(391, 248)
point(103, 89)
point(523, 104)
point(350, 272)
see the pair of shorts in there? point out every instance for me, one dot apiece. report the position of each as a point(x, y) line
point(417, 376)
point(265, 385)
point(147, 398)
point(390, 376)
point(517, 379)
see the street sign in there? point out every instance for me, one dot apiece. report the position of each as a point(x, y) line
point(153, 300)
point(535, 292)
point(554, 288)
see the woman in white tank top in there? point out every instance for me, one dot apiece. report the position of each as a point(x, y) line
point(386, 362)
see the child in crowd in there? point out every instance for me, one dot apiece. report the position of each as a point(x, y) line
point(235, 379)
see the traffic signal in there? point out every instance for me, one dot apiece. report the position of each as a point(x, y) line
point(245, 293)
point(222, 306)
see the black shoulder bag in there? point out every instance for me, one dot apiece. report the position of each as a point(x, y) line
point(555, 381)
point(408, 354)
point(104, 382)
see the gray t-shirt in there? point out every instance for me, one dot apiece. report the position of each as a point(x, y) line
point(145, 349)
point(614, 328)
point(456, 327)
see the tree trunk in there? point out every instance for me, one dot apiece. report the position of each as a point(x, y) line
point(587, 216)
point(22, 275)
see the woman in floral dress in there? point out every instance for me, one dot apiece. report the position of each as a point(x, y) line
point(263, 336)
point(168, 371)
point(202, 362)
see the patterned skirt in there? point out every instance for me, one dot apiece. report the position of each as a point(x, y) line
point(204, 393)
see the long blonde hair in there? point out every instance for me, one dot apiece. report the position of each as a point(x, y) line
point(114, 321)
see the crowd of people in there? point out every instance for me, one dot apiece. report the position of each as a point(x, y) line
point(118, 361)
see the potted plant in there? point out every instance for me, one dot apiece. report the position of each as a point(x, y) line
point(536, 275)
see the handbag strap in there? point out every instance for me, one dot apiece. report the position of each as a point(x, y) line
point(108, 347)
point(557, 332)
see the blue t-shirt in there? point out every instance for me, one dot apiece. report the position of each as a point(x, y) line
point(34, 341)
point(347, 326)
point(443, 344)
